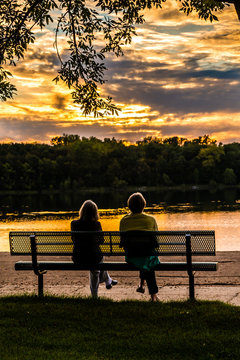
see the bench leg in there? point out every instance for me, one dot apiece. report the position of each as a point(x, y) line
point(191, 287)
point(189, 266)
point(40, 285)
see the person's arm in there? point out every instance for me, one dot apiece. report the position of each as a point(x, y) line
point(72, 225)
point(121, 229)
point(120, 225)
point(100, 239)
point(74, 239)
point(74, 228)
point(99, 226)
point(156, 237)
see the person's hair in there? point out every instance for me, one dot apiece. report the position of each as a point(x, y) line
point(136, 203)
point(89, 211)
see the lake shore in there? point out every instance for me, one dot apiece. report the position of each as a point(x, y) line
point(223, 285)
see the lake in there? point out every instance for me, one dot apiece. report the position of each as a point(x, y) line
point(217, 210)
point(208, 199)
point(225, 223)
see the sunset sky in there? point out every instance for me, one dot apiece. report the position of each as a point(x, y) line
point(180, 76)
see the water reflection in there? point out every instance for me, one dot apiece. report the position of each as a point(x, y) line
point(217, 210)
point(225, 224)
point(204, 200)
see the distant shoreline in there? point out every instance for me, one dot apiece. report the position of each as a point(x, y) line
point(182, 187)
point(157, 209)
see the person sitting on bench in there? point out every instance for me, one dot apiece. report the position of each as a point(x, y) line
point(86, 249)
point(135, 221)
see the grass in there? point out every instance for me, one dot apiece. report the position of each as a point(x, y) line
point(77, 328)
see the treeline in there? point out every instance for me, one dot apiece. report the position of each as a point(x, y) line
point(71, 162)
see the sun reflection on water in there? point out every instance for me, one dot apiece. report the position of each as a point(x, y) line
point(226, 225)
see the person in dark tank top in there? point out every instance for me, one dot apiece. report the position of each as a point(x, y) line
point(86, 248)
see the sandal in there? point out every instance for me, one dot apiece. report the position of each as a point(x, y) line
point(140, 290)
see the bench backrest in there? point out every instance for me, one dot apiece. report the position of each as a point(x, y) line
point(112, 242)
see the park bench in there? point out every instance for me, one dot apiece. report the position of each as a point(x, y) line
point(113, 243)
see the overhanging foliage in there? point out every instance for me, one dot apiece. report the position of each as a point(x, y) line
point(92, 29)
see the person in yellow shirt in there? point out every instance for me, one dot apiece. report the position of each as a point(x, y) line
point(137, 220)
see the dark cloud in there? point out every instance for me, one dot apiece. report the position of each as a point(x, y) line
point(48, 63)
point(213, 90)
point(199, 128)
point(40, 70)
point(44, 130)
point(49, 58)
point(232, 74)
point(178, 29)
point(59, 102)
point(229, 35)
point(192, 60)
point(131, 67)
point(26, 128)
point(170, 14)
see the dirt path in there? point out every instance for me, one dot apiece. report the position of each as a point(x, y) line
point(222, 285)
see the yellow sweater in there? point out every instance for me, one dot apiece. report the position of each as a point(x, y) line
point(138, 222)
point(145, 223)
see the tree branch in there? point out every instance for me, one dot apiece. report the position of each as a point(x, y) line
point(237, 8)
point(75, 43)
point(56, 38)
point(37, 2)
point(236, 5)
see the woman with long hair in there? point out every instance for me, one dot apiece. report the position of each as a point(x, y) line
point(86, 248)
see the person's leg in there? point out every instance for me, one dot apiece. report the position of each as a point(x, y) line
point(94, 282)
point(141, 287)
point(105, 277)
point(152, 284)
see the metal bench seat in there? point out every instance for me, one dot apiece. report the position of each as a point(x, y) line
point(115, 266)
point(114, 243)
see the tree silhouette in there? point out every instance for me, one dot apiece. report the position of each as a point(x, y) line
point(71, 163)
point(92, 29)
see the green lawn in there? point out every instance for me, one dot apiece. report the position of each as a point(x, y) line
point(77, 328)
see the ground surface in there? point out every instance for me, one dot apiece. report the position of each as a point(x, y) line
point(223, 285)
